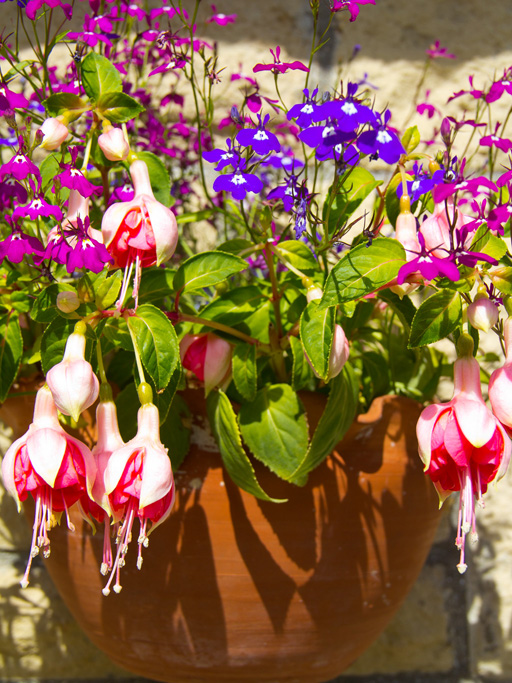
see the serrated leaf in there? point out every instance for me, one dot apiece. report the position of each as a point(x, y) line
point(298, 255)
point(436, 318)
point(156, 343)
point(411, 139)
point(99, 76)
point(234, 246)
point(53, 342)
point(207, 269)
point(11, 351)
point(404, 307)
point(349, 196)
point(274, 427)
point(195, 216)
point(118, 107)
point(234, 306)
point(338, 415)
point(159, 177)
point(363, 270)
point(174, 433)
point(245, 374)
point(486, 243)
point(225, 429)
point(301, 370)
point(316, 333)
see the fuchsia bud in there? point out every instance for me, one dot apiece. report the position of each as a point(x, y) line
point(55, 468)
point(72, 382)
point(54, 133)
point(500, 383)
point(340, 351)
point(483, 313)
point(209, 358)
point(407, 229)
point(114, 144)
point(463, 447)
point(141, 229)
point(138, 483)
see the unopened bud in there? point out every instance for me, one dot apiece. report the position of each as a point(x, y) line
point(54, 133)
point(114, 144)
point(67, 302)
point(483, 313)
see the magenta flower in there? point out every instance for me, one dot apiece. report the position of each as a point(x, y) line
point(33, 6)
point(435, 51)
point(221, 19)
point(74, 179)
point(495, 141)
point(428, 265)
point(351, 5)
point(279, 67)
point(209, 358)
point(38, 207)
point(18, 244)
point(463, 447)
point(19, 167)
point(14, 100)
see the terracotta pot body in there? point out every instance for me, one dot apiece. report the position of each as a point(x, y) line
point(235, 589)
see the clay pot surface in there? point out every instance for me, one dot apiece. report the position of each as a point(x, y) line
point(236, 589)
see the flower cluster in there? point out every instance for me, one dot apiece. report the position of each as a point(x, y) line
point(345, 249)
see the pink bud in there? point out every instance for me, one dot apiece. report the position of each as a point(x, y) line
point(54, 133)
point(209, 358)
point(339, 354)
point(142, 228)
point(500, 383)
point(114, 144)
point(67, 302)
point(483, 314)
point(314, 293)
point(407, 234)
point(72, 382)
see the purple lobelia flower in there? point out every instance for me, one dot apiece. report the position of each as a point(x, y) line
point(381, 141)
point(421, 183)
point(328, 139)
point(261, 140)
point(348, 112)
point(238, 183)
point(224, 158)
point(10, 189)
point(303, 112)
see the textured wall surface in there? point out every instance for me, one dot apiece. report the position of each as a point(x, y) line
point(451, 628)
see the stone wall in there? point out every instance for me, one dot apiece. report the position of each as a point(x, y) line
point(451, 628)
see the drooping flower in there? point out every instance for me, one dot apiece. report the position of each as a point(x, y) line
point(209, 358)
point(463, 447)
point(500, 383)
point(142, 228)
point(73, 384)
point(138, 483)
point(55, 468)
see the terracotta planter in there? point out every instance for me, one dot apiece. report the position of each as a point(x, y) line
point(235, 589)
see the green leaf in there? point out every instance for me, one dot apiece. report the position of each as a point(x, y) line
point(234, 306)
point(159, 177)
point(174, 433)
point(99, 76)
point(316, 333)
point(116, 331)
point(108, 291)
point(362, 270)
point(156, 343)
point(45, 308)
point(501, 278)
point(392, 201)
point(404, 307)
point(11, 351)
point(195, 216)
point(156, 284)
point(225, 429)
point(234, 246)
point(301, 370)
point(64, 102)
point(411, 139)
point(356, 187)
point(274, 427)
point(338, 415)
point(245, 373)
point(376, 369)
point(487, 243)
point(207, 269)
point(298, 255)
point(436, 318)
point(118, 107)
point(49, 168)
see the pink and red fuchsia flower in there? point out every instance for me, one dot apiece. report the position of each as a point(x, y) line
point(463, 447)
